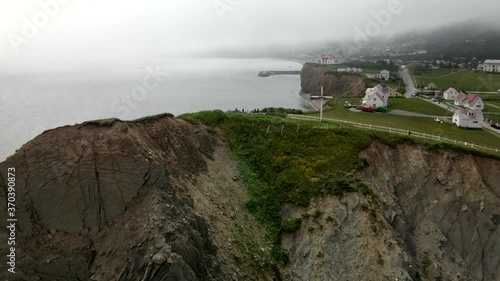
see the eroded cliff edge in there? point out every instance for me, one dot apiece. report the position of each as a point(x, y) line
point(163, 200)
point(436, 219)
point(111, 200)
point(313, 76)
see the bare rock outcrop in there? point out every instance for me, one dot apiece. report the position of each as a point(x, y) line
point(436, 218)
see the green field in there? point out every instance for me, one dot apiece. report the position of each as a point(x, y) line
point(435, 72)
point(465, 80)
point(488, 108)
point(417, 124)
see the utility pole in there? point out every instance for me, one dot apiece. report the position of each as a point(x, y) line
point(322, 97)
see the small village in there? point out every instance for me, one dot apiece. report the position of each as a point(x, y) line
point(466, 108)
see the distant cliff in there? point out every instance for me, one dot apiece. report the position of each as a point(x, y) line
point(313, 76)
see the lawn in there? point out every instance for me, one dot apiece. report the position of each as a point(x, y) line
point(417, 124)
point(412, 105)
point(491, 98)
point(465, 80)
point(488, 108)
point(418, 106)
point(434, 72)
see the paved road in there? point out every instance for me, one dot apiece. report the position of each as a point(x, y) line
point(408, 80)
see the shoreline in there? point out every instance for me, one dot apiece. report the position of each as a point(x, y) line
point(313, 103)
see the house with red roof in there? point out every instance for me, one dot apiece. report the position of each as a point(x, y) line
point(460, 99)
point(468, 118)
point(450, 94)
point(326, 59)
point(474, 102)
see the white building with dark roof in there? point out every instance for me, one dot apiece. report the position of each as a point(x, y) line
point(490, 66)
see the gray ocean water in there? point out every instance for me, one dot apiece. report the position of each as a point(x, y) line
point(35, 99)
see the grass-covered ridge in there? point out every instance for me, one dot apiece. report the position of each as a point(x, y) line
point(286, 161)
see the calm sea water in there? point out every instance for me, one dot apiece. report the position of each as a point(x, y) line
point(33, 100)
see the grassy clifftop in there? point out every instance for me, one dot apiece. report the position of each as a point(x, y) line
point(285, 161)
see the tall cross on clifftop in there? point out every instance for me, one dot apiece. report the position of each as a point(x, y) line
point(322, 97)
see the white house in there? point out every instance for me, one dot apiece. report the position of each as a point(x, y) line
point(468, 118)
point(474, 102)
point(460, 99)
point(450, 94)
point(490, 66)
point(375, 97)
point(383, 74)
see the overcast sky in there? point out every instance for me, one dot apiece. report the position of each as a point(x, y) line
point(117, 27)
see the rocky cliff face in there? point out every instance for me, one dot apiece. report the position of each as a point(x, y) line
point(437, 219)
point(111, 200)
point(314, 76)
point(117, 201)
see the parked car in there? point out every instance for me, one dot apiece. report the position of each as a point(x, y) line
point(365, 108)
point(347, 104)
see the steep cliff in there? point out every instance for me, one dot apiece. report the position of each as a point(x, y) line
point(436, 219)
point(164, 199)
point(313, 76)
point(111, 200)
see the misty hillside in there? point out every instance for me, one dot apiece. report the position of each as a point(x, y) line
point(468, 39)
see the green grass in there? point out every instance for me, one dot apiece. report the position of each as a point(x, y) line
point(418, 106)
point(435, 72)
point(417, 124)
point(290, 225)
point(465, 80)
point(495, 102)
point(488, 108)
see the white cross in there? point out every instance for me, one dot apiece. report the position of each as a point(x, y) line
point(322, 97)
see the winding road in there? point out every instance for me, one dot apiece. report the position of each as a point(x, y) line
point(410, 85)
